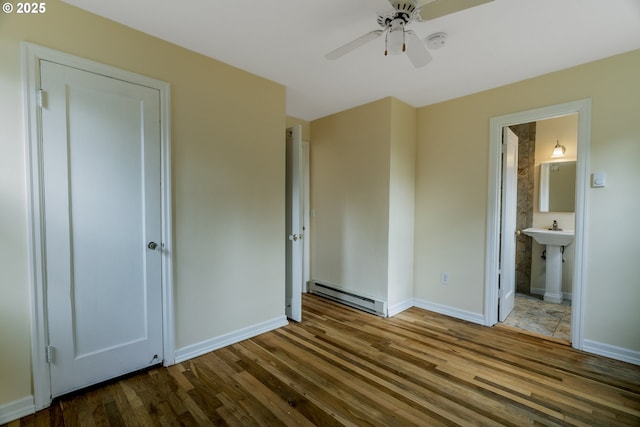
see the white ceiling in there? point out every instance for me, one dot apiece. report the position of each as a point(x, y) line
point(497, 43)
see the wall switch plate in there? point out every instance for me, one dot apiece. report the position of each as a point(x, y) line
point(444, 278)
point(598, 179)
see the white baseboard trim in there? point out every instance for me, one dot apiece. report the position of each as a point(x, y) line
point(400, 307)
point(17, 409)
point(611, 351)
point(198, 349)
point(540, 291)
point(450, 311)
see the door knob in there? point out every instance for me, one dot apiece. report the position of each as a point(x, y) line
point(152, 246)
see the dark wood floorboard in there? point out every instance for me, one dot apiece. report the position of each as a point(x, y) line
point(341, 366)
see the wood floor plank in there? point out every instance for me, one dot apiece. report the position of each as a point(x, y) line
point(288, 394)
point(321, 377)
point(394, 386)
point(343, 367)
point(366, 386)
point(424, 376)
point(223, 376)
point(332, 404)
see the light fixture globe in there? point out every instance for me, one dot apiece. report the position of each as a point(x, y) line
point(558, 150)
point(396, 40)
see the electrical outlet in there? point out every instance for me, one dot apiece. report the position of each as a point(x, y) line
point(444, 278)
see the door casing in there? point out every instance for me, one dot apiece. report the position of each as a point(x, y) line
point(583, 109)
point(31, 56)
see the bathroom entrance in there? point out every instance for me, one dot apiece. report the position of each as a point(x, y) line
point(551, 142)
point(545, 198)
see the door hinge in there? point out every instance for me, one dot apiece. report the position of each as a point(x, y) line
point(42, 98)
point(51, 352)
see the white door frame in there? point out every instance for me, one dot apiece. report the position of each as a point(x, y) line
point(583, 109)
point(31, 56)
point(306, 223)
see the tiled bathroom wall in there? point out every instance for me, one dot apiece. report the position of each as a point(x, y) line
point(526, 162)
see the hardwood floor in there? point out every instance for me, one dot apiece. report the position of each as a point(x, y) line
point(344, 367)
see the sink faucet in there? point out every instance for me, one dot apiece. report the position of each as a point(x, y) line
point(555, 225)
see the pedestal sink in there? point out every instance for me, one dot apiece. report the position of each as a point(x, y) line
point(554, 240)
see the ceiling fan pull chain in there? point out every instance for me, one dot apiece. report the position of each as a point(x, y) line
point(404, 43)
point(386, 35)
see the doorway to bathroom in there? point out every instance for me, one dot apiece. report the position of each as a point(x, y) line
point(518, 292)
point(545, 195)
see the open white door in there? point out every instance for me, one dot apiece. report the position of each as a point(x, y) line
point(294, 229)
point(102, 198)
point(508, 220)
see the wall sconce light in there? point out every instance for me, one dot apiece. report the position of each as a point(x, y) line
point(558, 150)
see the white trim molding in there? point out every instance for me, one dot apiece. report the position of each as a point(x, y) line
point(541, 291)
point(206, 346)
point(399, 307)
point(17, 409)
point(31, 56)
point(611, 351)
point(469, 316)
point(583, 109)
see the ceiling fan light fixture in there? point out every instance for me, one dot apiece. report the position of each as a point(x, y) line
point(395, 40)
point(399, 39)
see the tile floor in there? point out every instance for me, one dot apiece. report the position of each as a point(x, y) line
point(531, 313)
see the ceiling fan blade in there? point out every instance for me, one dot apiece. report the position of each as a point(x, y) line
point(416, 50)
point(352, 45)
point(417, 3)
point(438, 8)
point(422, 3)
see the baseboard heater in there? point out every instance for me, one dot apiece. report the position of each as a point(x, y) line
point(369, 305)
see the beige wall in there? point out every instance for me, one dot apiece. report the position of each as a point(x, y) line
point(350, 199)
point(451, 203)
point(401, 202)
point(363, 175)
point(451, 192)
point(228, 181)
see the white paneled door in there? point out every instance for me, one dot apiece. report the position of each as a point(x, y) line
point(294, 224)
point(102, 220)
point(508, 219)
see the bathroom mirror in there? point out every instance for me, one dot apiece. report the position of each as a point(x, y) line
point(557, 186)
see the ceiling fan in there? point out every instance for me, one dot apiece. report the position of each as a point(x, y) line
point(397, 38)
